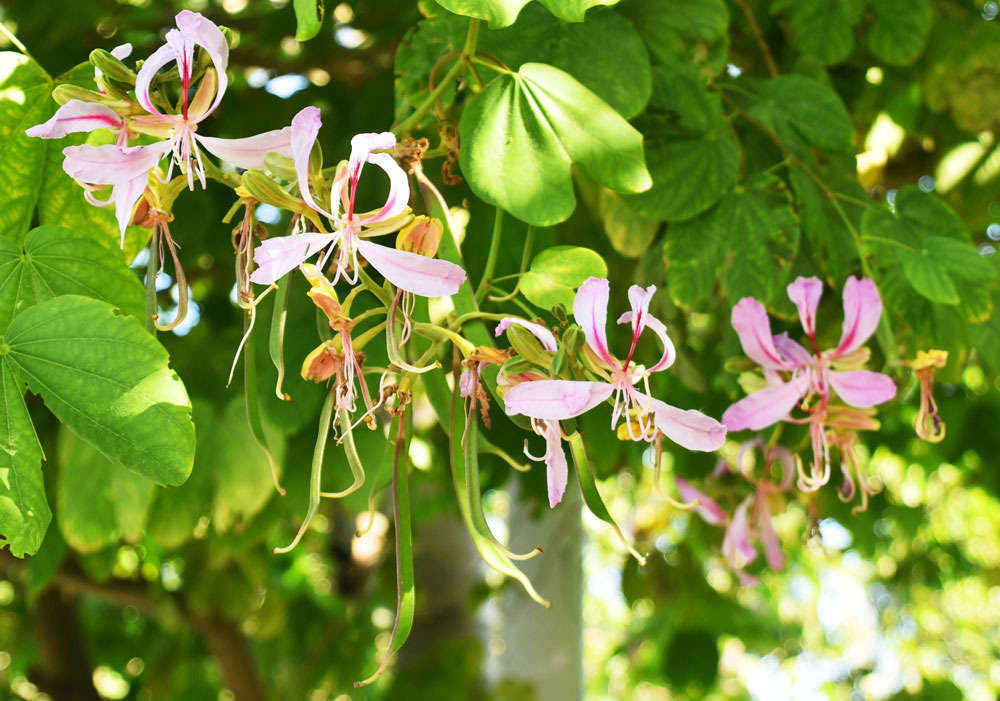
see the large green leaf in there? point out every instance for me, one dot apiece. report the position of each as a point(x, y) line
point(97, 501)
point(308, 18)
point(690, 31)
point(57, 261)
point(829, 235)
point(24, 102)
point(630, 233)
point(24, 510)
point(812, 109)
point(556, 272)
point(899, 30)
point(822, 30)
point(521, 134)
point(105, 377)
point(930, 279)
point(751, 235)
point(502, 13)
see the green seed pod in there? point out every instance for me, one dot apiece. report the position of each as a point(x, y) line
point(528, 347)
point(739, 364)
point(515, 366)
point(112, 68)
point(282, 166)
point(266, 190)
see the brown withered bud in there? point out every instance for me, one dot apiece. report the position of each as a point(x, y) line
point(322, 363)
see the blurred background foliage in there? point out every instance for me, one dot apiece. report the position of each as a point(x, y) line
point(173, 593)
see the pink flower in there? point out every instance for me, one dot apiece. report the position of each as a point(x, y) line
point(408, 271)
point(811, 373)
point(554, 400)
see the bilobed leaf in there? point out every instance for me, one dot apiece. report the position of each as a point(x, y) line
point(630, 233)
point(690, 31)
point(502, 13)
point(57, 261)
point(24, 510)
point(690, 172)
point(930, 278)
point(24, 102)
point(556, 272)
point(97, 501)
point(105, 377)
point(814, 110)
point(521, 134)
point(681, 90)
point(959, 258)
point(308, 18)
point(899, 30)
point(693, 257)
point(822, 30)
point(822, 224)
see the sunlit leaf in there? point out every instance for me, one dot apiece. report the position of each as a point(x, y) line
point(556, 272)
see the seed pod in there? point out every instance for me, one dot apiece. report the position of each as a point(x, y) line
point(528, 347)
point(266, 190)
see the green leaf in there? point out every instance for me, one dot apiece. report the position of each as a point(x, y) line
point(813, 110)
point(930, 279)
point(24, 102)
point(822, 30)
point(690, 173)
point(899, 30)
point(503, 13)
point(97, 501)
point(243, 483)
point(630, 233)
point(556, 272)
point(692, 31)
point(308, 18)
point(24, 510)
point(960, 258)
point(105, 377)
point(681, 90)
point(57, 261)
point(826, 230)
point(523, 131)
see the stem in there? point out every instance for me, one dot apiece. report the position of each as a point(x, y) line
point(755, 28)
point(457, 323)
point(491, 259)
point(384, 297)
point(152, 308)
point(469, 50)
point(21, 47)
point(880, 239)
point(410, 122)
point(525, 258)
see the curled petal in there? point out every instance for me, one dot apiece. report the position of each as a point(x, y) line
point(766, 406)
point(282, 254)
point(590, 309)
point(76, 116)
point(688, 428)
point(805, 293)
point(862, 388)
point(554, 400)
point(710, 511)
point(751, 324)
point(660, 329)
point(362, 146)
point(639, 298)
point(556, 472)
point(150, 67)
point(791, 350)
point(249, 152)
point(305, 128)
point(736, 545)
point(399, 188)
point(543, 335)
point(427, 277)
point(111, 164)
point(125, 195)
point(206, 34)
point(862, 310)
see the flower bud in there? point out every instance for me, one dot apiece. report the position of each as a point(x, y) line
point(528, 347)
point(560, 362)
point(112, 68)
point(421, 236)
point(64, 92)
point(266, 190)
point(573, 339)
point(282, 166)
point(322, 363)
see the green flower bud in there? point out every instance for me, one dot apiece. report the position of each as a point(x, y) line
point(266, 190)
point(65, 92)
point(112, 68)
point(528, 347)
point(282, 166)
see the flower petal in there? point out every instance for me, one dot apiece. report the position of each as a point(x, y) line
point(736, 545)
point(768, 538)
point(150, 67)
point(122, 51)
point(399, 188)
point(862, 388)
point(556, 470)
point(805, 293)
point(555, 399)
point(282, 254)
point(305, 128)
point(590, 309)
point(206, 34)
point(427, 277)
point(110, 164)
point(766, 406)
point(249, 152)
point(125, 195)
point(709, 511)
point(544, 336)
point(660, 329)
point(76, 116)
point(790, 350)
point(751, 324)
point(688, 428)
point(862, 311)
